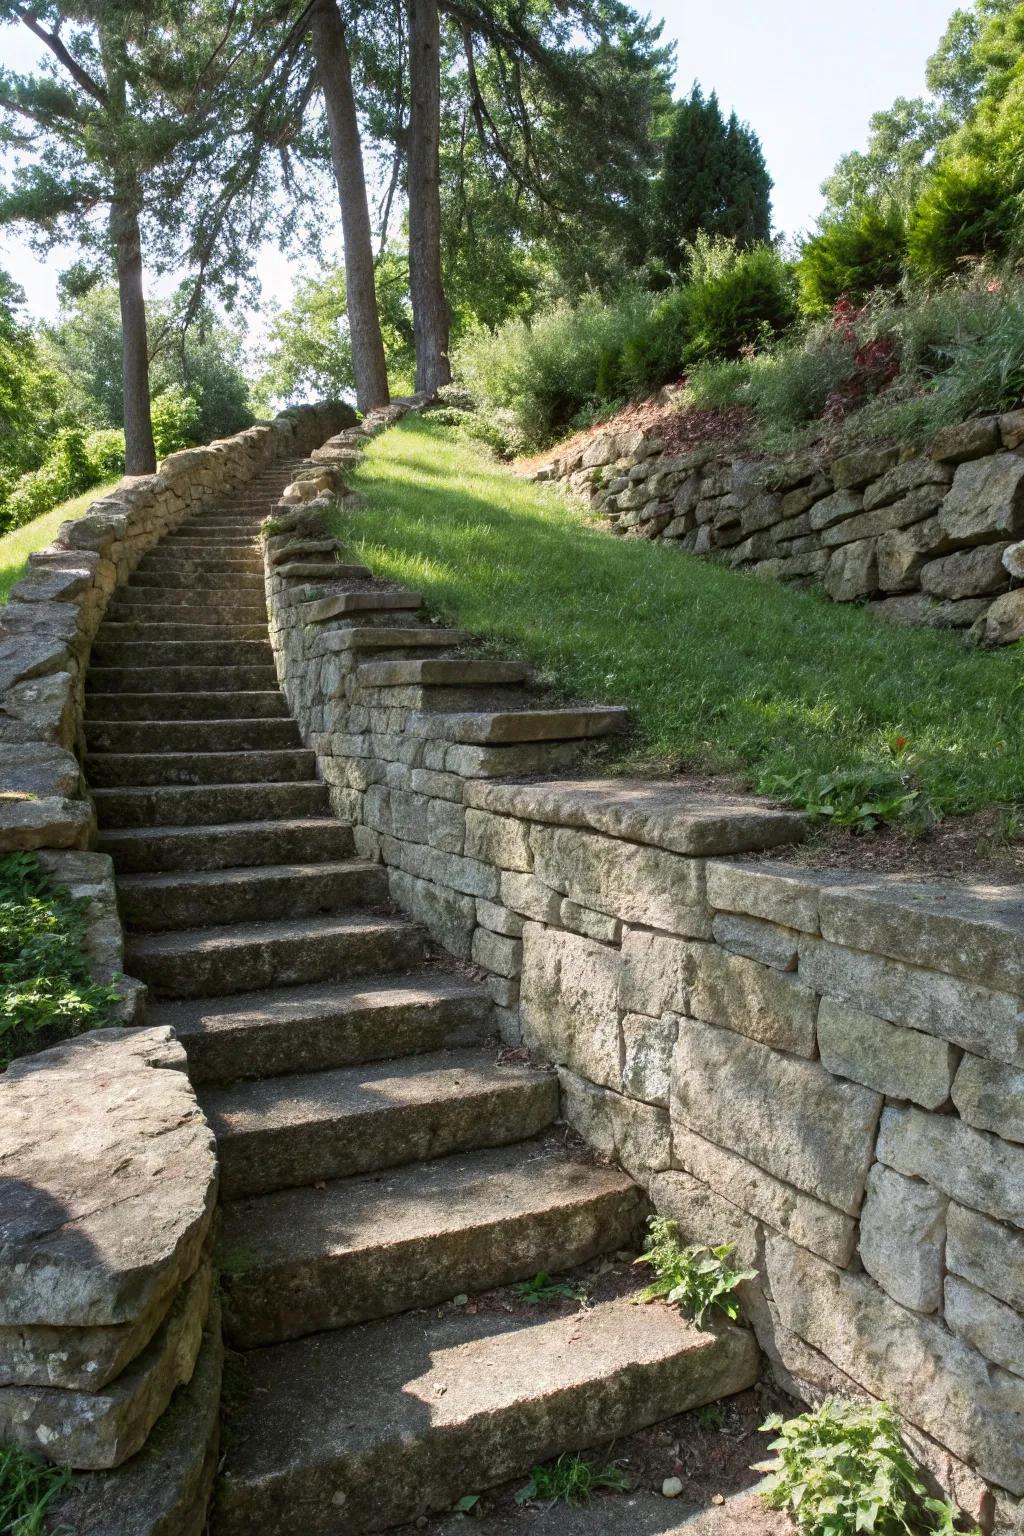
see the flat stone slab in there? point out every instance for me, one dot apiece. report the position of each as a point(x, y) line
point(691, 821)
point(441, 672)
point(100, 1225)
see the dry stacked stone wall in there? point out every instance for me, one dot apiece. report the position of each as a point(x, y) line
point(826, 1069)
point(932, 539)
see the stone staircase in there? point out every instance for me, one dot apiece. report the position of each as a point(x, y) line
point(379, 1153)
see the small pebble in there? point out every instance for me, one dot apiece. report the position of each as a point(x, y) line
point(718, 1498)
point(460, 1300)
point(672, 1487)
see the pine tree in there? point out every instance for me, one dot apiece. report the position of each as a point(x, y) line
point(713, 178)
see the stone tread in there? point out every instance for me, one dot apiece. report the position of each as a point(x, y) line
point(146, 736)
point(357, 1431)
point(156, 848)
point(448, 672)
point(185, 679)
point(302, 1260)
point(242, 704)
point(641, 1513)
point(277, 1132)
point(139, 770)
point(185, 898)
point(325, 1025)
point(503, 727)
point(382, 638)
point(204, 804)
point(198, 652)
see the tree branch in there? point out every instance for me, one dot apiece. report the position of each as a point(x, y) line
point(78, 74)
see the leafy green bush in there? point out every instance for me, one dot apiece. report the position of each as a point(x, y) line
point(28, 1487)
point(843, 1470)
point(652, 354)
point(964, 211)
point(864, 249)
point(695, 1278)
point(105, 449)
point(66, 471)
point(47, 992)
point(747, 301)
point(175, 420)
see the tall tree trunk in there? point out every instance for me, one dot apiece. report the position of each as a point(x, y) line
point(430, 312)
point(140, 454)
point(334, 72)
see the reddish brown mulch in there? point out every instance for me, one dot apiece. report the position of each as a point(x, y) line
point(680, 428)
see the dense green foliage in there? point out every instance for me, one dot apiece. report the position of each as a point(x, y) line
point(696, 1278)
point(28, 1487)
point(751, 676)
point(734, 299)
point(843, 1470)
point(853, 253)
point(47, 992)
point(17, 545)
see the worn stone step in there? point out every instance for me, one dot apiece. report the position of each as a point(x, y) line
point(173, 580)
point(246, 704)
point(183, 805)
point(321, 571)
point(302, 1260)
point(413, 637)
point(315, 551)
point(339, 604)
point(197, 652)
point(443, 672)
point(211, 846)
point(154, 630)
point(191, 735)
point(330, 1024)
point(245, 533)
point(509, 727)
point(146, 607)
point(205, 898)
point(213, 962)
point(217, 559)
point(225, 679)
point(283, 1132)
point(289, 765)
point(367, 1428)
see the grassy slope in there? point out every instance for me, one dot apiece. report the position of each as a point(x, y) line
point(15, 547)
point(719, 668)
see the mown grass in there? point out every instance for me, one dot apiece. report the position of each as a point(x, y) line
point(16, 546)
point(721, 671)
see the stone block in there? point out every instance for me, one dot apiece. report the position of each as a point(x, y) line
point(499, 840)
point(966, 440)
point(855, 470)
point(569, 1004)
point(756, 940)
point(985, 504)
point(705, 1217)
point(934, 1380)
point(779, 893)
point(852, 572)
point(903, 478)
point(835, 509)
point(637, 1136)
point(647, 1046)
point(1004, 620)
point(446, 826)
point(625, 880)
point(530, 897)
point(496, 953)
point(990, 1097)
point(902, 1238)
point(985, 1022)
point(968, 573)
point(592, 925)
point(903, 553)
point(499, 919)
point(448, 916)
point(789, 1117)
point(806, 1220)
point(662, 975)
point(972, 1167)
point(914, 508)
point(987, 1253)
point(901, 1063)
point(993, 1328)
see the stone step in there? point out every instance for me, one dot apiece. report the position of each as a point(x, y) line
point(226, 679)
point(246, 704)
point(147, 607)
point(154, 630)
point(509, 727)
point(443, 672)
point(283, 1132)
point(323, 550)
point(332, 1024)
point(175, 580)
point(413, 637)
point(213, 962)
point(639, 1513)
point(216, 559)
point(228, 845)
point(339, 604)
point(246, 533)
point(109, 651)
point(183, 805)
point(299, 1261)
point(135, 770)
point(371, 1427)
point(321, 572)
point(206, 898)
point(191, 735)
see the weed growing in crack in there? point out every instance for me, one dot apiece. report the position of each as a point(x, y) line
point(571, 1480)
point(697, 1278)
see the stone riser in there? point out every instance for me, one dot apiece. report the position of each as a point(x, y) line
point(107, 770)
point(192, 735)
point(149, 654)
point(160, 848)
point(203, 805)
point(156, 903)
point(243, 704)
point(153, 630)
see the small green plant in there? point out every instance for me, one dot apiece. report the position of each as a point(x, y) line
point(571, 1480)
point(843, 1469)
point(542, 1288)
point(710, 1416)
point(47, 992)
point(859, 798)
point(28, 1486)
point(696, 1278)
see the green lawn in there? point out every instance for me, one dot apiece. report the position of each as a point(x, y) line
point(720, 670)
point(15, 547)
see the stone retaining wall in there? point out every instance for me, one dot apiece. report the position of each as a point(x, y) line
point(931, 539)
point(827, 1069)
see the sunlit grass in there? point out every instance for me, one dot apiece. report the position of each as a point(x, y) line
point(720, 670)
point(15, 547)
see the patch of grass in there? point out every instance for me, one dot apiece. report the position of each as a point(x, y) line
point(47, 992)
point(542, 1288)
point(843, 1469)
point(28, 1487)
point(571, 1480)
point(16, 546)
point(697, 1278)
point(722, 671)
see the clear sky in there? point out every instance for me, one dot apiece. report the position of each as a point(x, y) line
point(807, 74)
